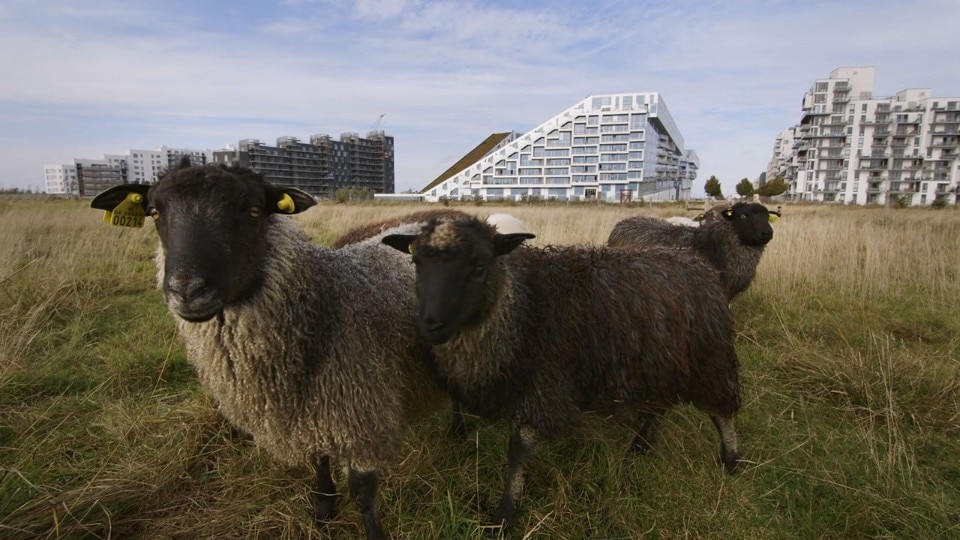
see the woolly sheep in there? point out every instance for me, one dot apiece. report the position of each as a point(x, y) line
point(504, 223)
point(538, 336)
point(369, 230)
point(312, 351)
point(732, 239)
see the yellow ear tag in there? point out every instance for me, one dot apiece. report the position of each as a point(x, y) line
point(728, 213)
point(773, 218)
point(285, 204)
point(128, 213)
point(410, 248)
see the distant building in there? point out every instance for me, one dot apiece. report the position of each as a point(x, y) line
point(61, 179)
point(852, 147)
point(323, 165)
point(87, 177)
point(616, 147)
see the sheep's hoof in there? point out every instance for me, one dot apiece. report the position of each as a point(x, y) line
point(730, 460)
point(639, 446)
point(324, 509)
point(502, 518)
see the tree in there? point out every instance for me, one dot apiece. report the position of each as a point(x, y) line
point(773, 187)
point(745, 188)
point(712, 187)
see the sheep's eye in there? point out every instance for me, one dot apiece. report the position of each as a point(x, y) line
point(478, 270)
point(255, 211)
point(154, 213)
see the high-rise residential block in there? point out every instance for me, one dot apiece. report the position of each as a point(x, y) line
point(852, 147)
point(323, 165)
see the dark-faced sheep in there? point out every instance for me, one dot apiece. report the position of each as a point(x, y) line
point(538, 336)
point(314, 352)
point(731, 239)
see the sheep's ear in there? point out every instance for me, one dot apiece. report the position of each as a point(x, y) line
point(400, 242)
point(505, 243)
point(289, 200)
point(111, 198)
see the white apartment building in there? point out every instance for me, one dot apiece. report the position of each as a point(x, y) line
point(615, 147)
point(61, 179)
point(851, 147)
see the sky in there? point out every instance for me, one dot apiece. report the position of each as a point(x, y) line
point(79, 79)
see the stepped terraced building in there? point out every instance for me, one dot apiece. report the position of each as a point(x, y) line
point(851, 147)
point(615, 147)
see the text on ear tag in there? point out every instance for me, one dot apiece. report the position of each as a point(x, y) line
point(128, 213)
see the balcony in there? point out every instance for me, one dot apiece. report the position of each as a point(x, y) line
point(904, 187)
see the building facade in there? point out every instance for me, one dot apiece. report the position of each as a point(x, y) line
point(851, 147)
point(321, 166)
point(61, 179)
point(613, 147)
point(87, 177)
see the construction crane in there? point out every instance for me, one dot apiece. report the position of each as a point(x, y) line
point(376, 125)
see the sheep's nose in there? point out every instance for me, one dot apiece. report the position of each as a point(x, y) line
point(432, 324)
point(187, 288)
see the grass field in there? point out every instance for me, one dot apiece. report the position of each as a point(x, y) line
point(849, 341)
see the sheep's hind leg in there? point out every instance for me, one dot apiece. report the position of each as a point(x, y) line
point(325, 493)
point(522, 443)
point(363, 487)
point(729, 452)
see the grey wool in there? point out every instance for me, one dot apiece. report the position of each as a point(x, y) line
point(314, 352)
point(538, 336)
point(732, 239)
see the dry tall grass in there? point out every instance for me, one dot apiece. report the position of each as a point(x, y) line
point(850, 425)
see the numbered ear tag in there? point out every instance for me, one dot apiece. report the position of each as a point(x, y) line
point(129, 213)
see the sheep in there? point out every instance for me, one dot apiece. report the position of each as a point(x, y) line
point(505, 223)
point(363, 232)
point(312, 351)
point(732, 239)
point(540, 335)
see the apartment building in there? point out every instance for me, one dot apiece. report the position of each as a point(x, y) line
point(61, 178)
point(615, 147)
point(321, 166)
point(852, 147)
point(87, 177)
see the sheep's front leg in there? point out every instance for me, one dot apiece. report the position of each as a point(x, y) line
point(363, 487)
point(521, 446)
point(729, 451)
point(325, 493)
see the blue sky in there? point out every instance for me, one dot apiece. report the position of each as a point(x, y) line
point(79, 79)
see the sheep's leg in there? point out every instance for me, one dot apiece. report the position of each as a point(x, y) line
point(325, 492)
point(647, 430)
point(363, 487)
point(729, 452)
point(457, 424)
point(522, 443)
